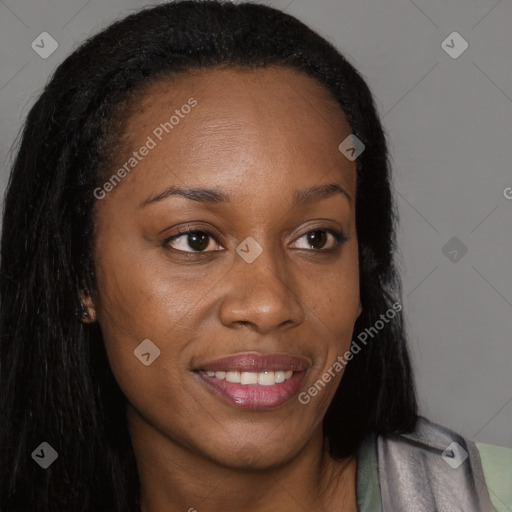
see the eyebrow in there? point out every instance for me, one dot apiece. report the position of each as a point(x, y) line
point(301, 197)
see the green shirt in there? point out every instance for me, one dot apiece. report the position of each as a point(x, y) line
point(496, 464)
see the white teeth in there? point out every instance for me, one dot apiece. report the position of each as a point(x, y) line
point(248, 378)
point(279, 377)
point(233, 377)
point(266, 378)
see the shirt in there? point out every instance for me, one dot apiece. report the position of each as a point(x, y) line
point(496, 464)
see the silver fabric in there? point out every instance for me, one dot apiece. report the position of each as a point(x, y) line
point(418, 474)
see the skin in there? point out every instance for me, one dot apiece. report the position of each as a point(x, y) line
point(257, 135)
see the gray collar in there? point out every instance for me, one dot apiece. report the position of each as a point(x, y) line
point(432, 469)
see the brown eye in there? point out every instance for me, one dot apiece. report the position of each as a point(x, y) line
point(197, 240)
point(317, 239)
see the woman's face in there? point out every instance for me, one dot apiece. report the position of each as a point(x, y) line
point(263, 278)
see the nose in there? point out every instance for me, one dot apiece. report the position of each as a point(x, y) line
point(261, 294)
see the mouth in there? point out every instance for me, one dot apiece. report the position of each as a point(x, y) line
point(255, 381)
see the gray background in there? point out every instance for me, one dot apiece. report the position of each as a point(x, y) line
point(449, 125)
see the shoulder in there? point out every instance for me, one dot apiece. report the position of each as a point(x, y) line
point(497, 468)
point(442, 469)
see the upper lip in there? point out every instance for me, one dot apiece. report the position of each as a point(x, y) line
point(256, 362)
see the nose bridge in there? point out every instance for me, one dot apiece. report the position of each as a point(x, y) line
point(263, 294)
point(261, 266)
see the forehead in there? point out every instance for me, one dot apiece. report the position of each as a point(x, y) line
point(273, 119)
point(249, 97)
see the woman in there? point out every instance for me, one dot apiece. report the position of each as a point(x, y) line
point(200, 306)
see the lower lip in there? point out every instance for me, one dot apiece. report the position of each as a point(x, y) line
point(254, 396)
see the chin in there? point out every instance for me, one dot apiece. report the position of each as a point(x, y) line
point(252, 456)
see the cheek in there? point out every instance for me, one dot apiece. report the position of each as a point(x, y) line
point(129, 313)
point(136, 294)
point(336, 298)
point(142, 297)
point(142, 341)
point(140, 303)
point(335, 304)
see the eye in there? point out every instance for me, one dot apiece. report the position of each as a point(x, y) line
point(197, 240)
point(200, 240)
point(317, 239)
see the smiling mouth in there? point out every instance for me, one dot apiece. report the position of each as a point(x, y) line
point(255, 381)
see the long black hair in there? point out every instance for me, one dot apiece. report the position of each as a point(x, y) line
point(55, 382)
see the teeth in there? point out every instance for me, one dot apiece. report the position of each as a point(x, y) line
point(248, 378)
point(233, 377)
point(266, 378)
point(279, 377)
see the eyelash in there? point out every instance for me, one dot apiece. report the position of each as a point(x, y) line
point(339, 238)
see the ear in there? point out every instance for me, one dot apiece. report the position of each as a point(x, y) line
point(88, 314)
point(360, 310)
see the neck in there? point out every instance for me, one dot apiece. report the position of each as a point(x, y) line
point(175, 478)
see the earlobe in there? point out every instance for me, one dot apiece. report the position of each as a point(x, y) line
point(360, 310)
point(88, 310)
